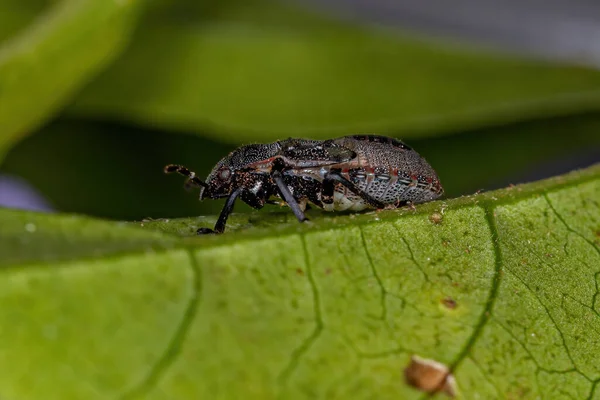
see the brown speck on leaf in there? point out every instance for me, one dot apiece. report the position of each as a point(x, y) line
point(328, 271)
point(445, 242)
point(468, 250)
point(597, 233)
point(436, 218)
point(430, 376)
point(299, 271)
point(449, 302)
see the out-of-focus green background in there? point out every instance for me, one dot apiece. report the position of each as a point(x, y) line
point(96, 97)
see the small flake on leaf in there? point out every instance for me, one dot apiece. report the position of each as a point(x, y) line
point(430, 376)
point(436, 218)
point(450, 303)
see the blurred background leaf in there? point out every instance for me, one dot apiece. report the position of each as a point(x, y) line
point(567, 30)
point(257, 70)
point(49, 50)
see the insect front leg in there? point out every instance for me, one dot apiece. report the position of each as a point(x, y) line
point(227, 209)
point(287, 196)
point(333, 177)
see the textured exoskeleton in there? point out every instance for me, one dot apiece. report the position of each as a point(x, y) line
point(348, 173)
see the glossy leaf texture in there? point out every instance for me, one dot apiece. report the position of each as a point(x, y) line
point(501, 287)
point(262, 69)
point(49, 50)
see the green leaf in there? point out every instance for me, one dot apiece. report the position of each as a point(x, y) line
point(500, 287)
point(261, 69)
point(49, 50)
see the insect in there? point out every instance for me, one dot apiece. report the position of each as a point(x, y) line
point(348, 173)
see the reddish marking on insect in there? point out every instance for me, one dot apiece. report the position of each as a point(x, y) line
point(395, 171)
point(262, 163)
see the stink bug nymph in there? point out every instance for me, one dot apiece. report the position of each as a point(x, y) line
point(349, 173)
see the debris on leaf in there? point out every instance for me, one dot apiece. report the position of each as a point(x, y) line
point(436, 218)
point(449, 303)
point(430, 376)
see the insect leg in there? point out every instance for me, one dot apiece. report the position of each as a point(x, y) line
point(328, 190)
point(227, 209)
point(332, 177)
point(287, 196)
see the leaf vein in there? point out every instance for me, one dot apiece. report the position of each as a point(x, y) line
point(169, 356)
point(307, 343)
point(382, 291)
point(485, 315)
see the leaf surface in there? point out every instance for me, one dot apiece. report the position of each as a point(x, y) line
point(501, 287)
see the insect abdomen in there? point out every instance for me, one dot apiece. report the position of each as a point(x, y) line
point(390, 172)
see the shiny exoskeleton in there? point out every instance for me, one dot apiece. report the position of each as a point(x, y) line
point(348, 173)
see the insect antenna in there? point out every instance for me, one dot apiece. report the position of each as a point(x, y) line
point(192, 181)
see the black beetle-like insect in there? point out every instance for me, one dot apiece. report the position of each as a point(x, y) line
point(348, 173)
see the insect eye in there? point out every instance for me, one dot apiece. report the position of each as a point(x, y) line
point(224, 174)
